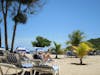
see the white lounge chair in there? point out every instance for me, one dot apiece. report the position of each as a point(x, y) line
point(9, 69)
point(15, 59)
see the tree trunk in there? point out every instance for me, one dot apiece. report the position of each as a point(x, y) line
point(4, 12)
point(81, 62)
point(6, 34)
point(14, 31)
point(0, 39)
point(56, 56)
point(13, 37)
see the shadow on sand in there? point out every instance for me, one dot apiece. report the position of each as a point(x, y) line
point(78, 64)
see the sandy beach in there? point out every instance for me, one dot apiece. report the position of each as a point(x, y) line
point(92, 66)
point(66, 66)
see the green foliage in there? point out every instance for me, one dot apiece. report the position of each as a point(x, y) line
point(26, 1)
point(32, 5)
point(23, 8)
point(20, 18)
point(61, 51)
point(20, 10)
point(96, 43)
point(75, 38)
point(57, 47)
point(68, 48)
point(41, 42)
point(89, 44)
point(82, 49)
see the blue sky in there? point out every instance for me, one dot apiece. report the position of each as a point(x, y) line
point(57, 19)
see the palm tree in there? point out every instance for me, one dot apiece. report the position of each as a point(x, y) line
point(19, 18)
point(21, 15)
point(57, 49)
point(28, 7)
point(4, 8)
point(81, 50)
point(75, 38)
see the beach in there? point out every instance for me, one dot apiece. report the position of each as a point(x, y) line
point(66, 66)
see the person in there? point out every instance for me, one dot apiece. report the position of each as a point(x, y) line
point(41, 55)
point(38, 55)
point(47, 57)
point(23, 57)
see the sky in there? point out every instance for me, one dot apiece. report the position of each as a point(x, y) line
point(57, 19)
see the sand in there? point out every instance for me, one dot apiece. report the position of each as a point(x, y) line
point(66, 66)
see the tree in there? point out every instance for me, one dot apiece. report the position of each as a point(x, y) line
point(4, 4)
point(95, 42)
point(41, 42)
point(21, 16)
point(17, 8)
point(57, 49)
point(81, 50)
point(75, 38)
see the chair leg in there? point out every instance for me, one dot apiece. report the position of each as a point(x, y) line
point(1, 71)
point(56, 73)
point(23, 72)
point(16, 71)
point(31, 72)
point(34, 72)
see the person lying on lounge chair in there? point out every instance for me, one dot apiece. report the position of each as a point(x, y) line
point(47, 57)
point(23, 57)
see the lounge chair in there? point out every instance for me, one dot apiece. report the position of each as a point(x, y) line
point(15, 60)
point(45, 69)
point(9, 69)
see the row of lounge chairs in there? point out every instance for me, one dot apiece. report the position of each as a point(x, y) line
point(12, 64)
